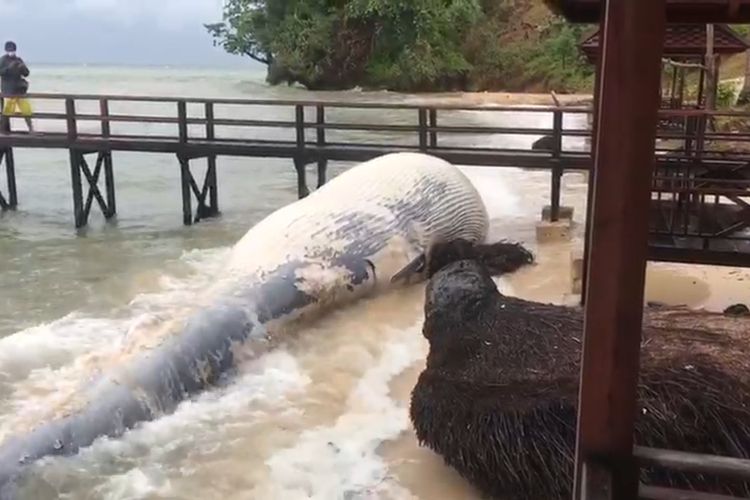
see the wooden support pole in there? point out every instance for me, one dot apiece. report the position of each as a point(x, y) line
point(320, 121)
point(673, 91)
point(212, 182)
point(70, 118)
point(104, 112)
point(299, 165)
point(187, 207)
point(105, 158)
point(422, 129)
point(75, 179)
point(4, 205)
point(211, 174)
point(4, 120)
point(10, 176)
point(300, 158)
point(557, 170)
point(109, 180)
point(433, 125)
point(592, 172)
point(701, 99)
point(632, 41)
point(299, 127)
point(182, 124)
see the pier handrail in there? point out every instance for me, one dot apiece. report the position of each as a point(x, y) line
point(692, 162)
point(424, 126)
point(426, 103)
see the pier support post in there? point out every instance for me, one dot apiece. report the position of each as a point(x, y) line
point(213, 187)
point(322, 172)
point(185, 176)
point(75, 180)
point(78, 166)
point(320, 121)
point(6, 157)
point(299, 165)
point(207, 196)
point(109, 183)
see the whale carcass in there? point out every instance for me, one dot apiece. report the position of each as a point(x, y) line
point(366, 231)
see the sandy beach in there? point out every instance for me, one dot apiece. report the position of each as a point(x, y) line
point(505, 99)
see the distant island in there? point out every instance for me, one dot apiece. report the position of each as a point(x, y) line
point(420, 45)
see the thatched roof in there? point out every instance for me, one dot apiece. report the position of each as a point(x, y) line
point(498, 398)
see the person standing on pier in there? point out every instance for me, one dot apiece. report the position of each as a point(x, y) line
point(13, 86)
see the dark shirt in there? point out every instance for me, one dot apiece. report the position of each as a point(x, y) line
point(12, 73)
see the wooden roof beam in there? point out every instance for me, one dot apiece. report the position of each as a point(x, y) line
point(678, 11)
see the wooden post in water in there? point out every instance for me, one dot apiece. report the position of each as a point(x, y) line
point(211, 174)
point(187, 206)
point(10, 174)
point(422, 129)
point(109, 175)
point(299, 158)
point(75, 163)
point(433, 126)
point(182, 127)
point(320, 121)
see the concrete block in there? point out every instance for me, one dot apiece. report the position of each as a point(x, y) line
point(566, 213)
point(550, 232)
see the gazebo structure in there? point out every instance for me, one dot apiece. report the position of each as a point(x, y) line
point(683, 56)
point(627, 109)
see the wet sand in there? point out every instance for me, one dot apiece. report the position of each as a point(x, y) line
point(504, 99)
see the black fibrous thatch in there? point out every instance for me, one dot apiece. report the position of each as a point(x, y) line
point(498, 397)
point(498, 258)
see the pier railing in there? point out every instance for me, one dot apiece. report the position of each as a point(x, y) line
point(304, 131)
point(305, 126)
point(700, 182)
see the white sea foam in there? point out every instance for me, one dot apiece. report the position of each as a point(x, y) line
point(340, 461)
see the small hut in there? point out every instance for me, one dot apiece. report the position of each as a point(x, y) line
point(684, 61)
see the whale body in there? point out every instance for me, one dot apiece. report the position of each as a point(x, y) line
point(364, 232)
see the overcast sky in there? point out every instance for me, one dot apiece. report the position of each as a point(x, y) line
point(140, 32)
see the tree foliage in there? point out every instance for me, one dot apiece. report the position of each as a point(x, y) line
point(398, 45)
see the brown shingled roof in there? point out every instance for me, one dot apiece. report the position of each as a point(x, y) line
point(683, 40)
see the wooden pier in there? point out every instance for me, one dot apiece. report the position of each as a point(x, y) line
point(304, 138)
point(93, 127)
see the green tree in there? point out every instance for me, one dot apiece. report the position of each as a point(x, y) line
point(557, 62)
point(248, 28)
point(418, 43)
point(404, 45)
point(330, 43)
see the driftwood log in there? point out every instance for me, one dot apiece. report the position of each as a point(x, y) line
point(498, 397)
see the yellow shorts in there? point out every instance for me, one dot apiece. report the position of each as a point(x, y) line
point(15, 105)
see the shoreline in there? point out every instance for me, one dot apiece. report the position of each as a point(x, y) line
point(504, 99)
